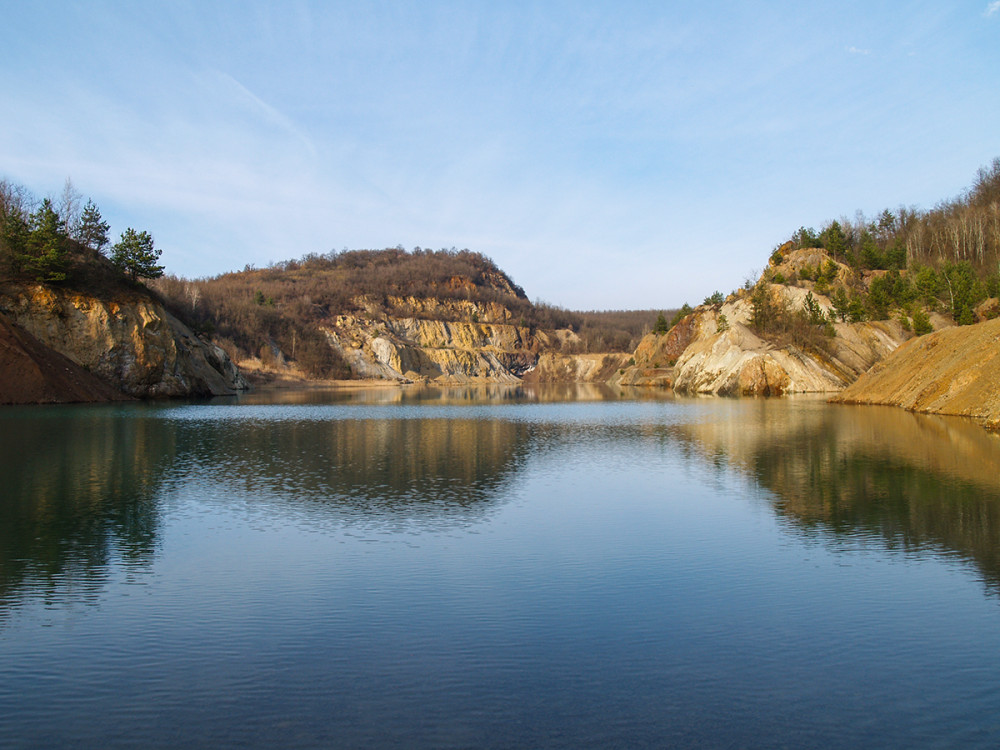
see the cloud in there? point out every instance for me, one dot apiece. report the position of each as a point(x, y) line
point(992, 9)
point(263, 109)
point(857, 51)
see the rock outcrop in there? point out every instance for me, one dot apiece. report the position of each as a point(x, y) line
point(413, 349)
point(715, 350)
point(952, 371)
point(132, 343)
point(553, 367)
point(32, 373)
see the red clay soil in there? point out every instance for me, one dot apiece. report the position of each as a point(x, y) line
point(32, 373)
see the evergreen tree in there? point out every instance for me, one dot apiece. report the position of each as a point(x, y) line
point(44, 253)
point(921, 323)
point(93, 230)
point(834, 240)
point(660, 327)
point(135, 255)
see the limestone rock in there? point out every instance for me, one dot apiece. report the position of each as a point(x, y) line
point(134, 344)
point(577, 368)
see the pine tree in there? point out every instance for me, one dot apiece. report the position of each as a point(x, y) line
point(45, 246)
point(135, 255)
point(93, 230)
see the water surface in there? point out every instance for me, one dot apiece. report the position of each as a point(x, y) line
point(497, 568)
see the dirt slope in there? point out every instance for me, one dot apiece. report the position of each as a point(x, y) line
point(952, 371)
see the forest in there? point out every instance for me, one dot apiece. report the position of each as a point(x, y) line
point(946, 258)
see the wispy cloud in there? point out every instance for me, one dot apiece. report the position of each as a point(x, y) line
point(263, 109)
point(858, 51)
point(992, 9)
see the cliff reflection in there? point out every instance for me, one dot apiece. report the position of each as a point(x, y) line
point(369, 472)
point(84, 488)
point(915, 481)
point(442, 394)
point(78, 492)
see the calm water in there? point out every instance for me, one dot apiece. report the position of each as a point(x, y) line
point(497, 568)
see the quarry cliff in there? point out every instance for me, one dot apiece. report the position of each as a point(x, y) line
point(129, 342)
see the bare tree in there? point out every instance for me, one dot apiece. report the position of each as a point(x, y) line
point(68, 208)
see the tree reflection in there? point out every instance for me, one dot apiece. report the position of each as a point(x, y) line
point(79, 493)
point(915, 481)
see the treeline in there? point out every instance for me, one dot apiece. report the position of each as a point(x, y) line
point(615, 330)
point(946, 259)
point(964, 229)
point(63, 242)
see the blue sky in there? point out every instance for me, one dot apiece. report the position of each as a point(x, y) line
point(606, 155)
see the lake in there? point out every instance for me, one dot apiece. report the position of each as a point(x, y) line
point(497, 567)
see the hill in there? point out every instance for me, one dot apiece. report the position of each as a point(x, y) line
point(953, 371)
point(392, 314)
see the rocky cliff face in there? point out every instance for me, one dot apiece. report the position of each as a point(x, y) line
point(715, 350)
point(736, 361)
point(411, 349)
point(952, 371)
point(134, 344)
point(553, 367)
point(32, 373)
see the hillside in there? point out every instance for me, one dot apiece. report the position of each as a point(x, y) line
point(953, 371)
point(445, 315)
point(828, 307)
point(32, 373)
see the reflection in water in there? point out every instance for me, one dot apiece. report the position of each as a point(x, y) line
point(527, 573)
point(459, 394)
point(367, 472)
point(913, 481)
point(84, 486)
point(79, 486)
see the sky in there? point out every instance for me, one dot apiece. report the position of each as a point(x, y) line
point(625, 155)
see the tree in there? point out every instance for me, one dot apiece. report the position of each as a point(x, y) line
point(806, 238)
point(135, 255)
point(813, 311)
point(834, 240)
point(92, 230)
point(69, 208)
point(661, 327)
point(764, 311)
point(44, 253)
point(841, 303)
point(921, 323)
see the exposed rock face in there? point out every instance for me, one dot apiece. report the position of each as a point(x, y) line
point(714, 350)
point(577, 368)
point(134, 344)
point(415, 349)
point(952, 371)
point(32, 373)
